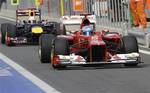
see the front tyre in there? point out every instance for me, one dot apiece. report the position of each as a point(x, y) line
point(3, 32)
point(130, 45)
point(10, 33)
point(45, 46)
point(61, 47)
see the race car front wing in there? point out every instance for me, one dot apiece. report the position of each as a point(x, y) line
point(78, 60)
point(18, 40)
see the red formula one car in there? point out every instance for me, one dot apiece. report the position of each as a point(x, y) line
point(88, 47)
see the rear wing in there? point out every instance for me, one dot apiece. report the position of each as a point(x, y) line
point(27, 12)
point(77, 19)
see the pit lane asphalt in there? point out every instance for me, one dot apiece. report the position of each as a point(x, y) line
point(103, 79)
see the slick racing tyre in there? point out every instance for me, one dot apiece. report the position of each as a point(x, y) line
point(10, 33)
point(61, 47)
point(130, 45)
point(45, 45)
point(3, 32)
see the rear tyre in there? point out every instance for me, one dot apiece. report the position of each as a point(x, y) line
point(130, 45)
point(3, 32)
point(60, 29)
point(11, 33)
point(61, 47)
point(45, 46)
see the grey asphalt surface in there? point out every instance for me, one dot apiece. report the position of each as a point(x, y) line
point(103, 79)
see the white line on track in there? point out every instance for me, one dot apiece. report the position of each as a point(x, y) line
point(144, 52)
point(35, 80)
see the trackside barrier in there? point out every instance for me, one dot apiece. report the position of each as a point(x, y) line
point(142, 38)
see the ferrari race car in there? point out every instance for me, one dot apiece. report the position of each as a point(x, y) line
point(88, 47)
point(28, 28)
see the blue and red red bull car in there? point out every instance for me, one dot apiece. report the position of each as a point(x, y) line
point(28, 27)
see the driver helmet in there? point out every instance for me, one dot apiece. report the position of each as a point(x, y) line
point(87, 30)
